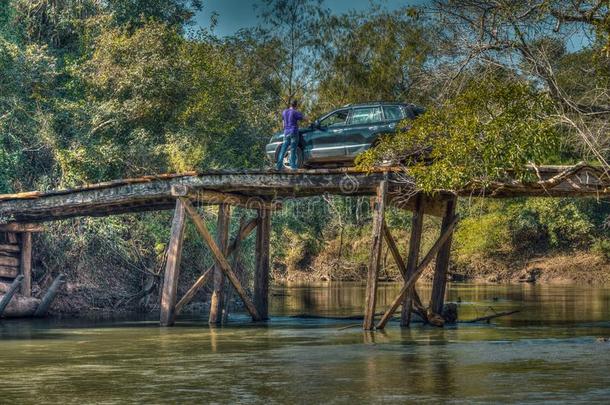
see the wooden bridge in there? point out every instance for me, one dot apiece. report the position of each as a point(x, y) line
point(264, 192)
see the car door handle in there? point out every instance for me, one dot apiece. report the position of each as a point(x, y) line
point(373, 128)
point(338, 130)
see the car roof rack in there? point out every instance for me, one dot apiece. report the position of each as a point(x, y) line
point(373, 103)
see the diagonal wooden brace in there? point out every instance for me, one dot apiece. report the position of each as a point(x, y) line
point(220, 258)
point(188, 296)
point(403, 268)
point(8, 296)
point(420, 269)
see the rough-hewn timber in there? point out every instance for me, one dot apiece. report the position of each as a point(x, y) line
point(417, 223)
point(155, 192)
point(217, 300)
point(439, 282)
point(26, 263)
point(172, 266)
point(370, 298)
point(261, 270)
point(415, 276)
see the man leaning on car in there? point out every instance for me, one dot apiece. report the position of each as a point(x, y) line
point(291, 135)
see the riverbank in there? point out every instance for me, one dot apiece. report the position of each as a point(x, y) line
point(582, 268)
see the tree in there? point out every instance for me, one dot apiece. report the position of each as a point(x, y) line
point(376, 55)
point(529, 37)
point(292, 26)
point(495, 125)
point(133, 14)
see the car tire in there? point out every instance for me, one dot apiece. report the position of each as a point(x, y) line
point(286, 159)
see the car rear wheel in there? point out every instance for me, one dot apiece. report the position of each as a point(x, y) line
point(299, 161)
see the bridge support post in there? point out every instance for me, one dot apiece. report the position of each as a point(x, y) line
point(375, 261)
point(222, 239)
point(417, 223)
point(172, 267)
point(437, 299)
point(261, 272)
point(25, 263)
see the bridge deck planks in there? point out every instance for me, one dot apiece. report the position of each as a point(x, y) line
point(155, 192)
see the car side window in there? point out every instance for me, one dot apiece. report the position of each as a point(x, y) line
point(366, 115)
point(392, 112)
point(335, 119)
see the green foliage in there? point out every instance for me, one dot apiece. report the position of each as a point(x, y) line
point(601, 247)
point(483, 234)
point(561, 222)
point(131, 14)
point(493, 126)
point(375, 55)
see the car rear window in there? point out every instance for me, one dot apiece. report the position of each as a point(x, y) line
point(366, 115)
point(392, 112)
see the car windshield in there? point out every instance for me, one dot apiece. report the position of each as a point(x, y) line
point(335, 119)
point(366, 115)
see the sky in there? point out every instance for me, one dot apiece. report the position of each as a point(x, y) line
point(236, 14)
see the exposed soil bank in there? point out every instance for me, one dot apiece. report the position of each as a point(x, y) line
point(118, 294)
point(564, 268)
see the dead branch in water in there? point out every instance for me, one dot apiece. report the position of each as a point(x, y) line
point(490, 317)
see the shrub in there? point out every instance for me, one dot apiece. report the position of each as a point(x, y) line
point(601, 247)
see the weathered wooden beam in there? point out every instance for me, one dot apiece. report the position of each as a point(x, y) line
point(417, 223)
point(8, 296)
point(432, 204)
point(49, 297)
point(12, 237)
point(439, 283)
point(172, 267)
point(261, 270)
point(9, 261)
point(236, 264)
point(375, 260)
point(415, 276)
point(412, 299)
point(222, 239)
point(10, 248)
point(17, 227)
point(154, 192)
point(217, 197)
point(26, 264)
point(200, 282)
point(9, 271)
point(202, 229)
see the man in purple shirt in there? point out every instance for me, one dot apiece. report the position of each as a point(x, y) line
point(291, 135)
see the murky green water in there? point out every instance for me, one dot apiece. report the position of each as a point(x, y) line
point(546, 352)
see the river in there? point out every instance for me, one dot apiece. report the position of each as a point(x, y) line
point(548, 351)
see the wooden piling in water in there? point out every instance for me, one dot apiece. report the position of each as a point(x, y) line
point(261, 272)
point(222, 239)
point(420, 268)
point(219, 257)
point(439, 284)
point(243, 233)
point(172, 267)
point(375, 261)
point(417, 223)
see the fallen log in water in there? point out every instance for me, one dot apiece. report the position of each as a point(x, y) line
point(490, 317)
point(20, 306)
point(340, 318)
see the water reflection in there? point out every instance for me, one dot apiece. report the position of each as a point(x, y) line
point(546, 352)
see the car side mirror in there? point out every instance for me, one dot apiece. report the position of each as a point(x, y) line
point(316, 125)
